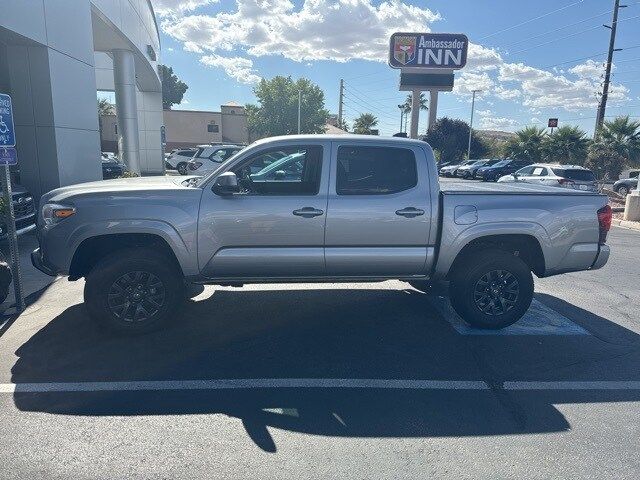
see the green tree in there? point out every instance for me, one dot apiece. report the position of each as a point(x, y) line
point(604, 162)
point(105, 107)
point(364, 124)
point(173, 89)
point(567, 145)
point(622, 136)
point(277, 110)
point(450, 137)
point(528, 144)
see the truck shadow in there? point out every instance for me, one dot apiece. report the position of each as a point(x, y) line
point(330, 334)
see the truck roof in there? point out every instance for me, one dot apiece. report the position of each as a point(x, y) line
point(343, 137)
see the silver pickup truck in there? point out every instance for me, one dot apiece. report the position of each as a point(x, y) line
point(315, 208)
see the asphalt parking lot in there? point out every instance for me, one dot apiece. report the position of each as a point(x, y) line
point(331, 381)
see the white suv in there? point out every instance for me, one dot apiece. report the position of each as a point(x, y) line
point(567, 176)
point(178, 159)
point(209, 157)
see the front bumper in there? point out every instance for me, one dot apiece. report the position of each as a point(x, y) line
point(38, 261)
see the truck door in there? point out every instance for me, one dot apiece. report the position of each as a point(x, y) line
point(275, 226)
point(379, 211)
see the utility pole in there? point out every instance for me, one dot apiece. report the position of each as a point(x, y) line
point(401, 107)
point(473, 104)
point(299, 103)
point(340, 102)
point(607, 74)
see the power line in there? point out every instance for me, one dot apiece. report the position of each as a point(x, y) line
point(531, 20)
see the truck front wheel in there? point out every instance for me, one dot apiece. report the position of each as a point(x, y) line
point(133, 290)
point(491, 289)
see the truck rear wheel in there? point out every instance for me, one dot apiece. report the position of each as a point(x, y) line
point(133, 291)
point(491, 289)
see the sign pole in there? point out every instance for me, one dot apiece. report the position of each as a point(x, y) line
point(433, 107)
point(415, 112)
point(12, 238)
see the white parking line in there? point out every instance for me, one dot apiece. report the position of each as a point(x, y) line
point(330, 383)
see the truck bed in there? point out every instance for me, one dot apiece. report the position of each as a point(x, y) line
point(454, 187)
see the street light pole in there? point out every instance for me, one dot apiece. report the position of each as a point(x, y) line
point(299, 103)
point(401, 107)
point(473, 104)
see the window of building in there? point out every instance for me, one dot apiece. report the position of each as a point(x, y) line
point(212, 128)
point(375, 170)
point(282, 171)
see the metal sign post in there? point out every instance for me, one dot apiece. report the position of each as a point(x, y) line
point(8, 156)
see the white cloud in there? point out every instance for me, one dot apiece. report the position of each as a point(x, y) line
point(590, 70)
point(338, 30)
point(507, 93)
point(481, 58)
point(489, 121)
point(468, 81)
point(238, 68)
point(169, 7)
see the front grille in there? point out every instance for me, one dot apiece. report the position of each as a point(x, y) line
point(23, 205)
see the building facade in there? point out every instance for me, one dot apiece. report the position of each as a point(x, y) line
point(187, 128)
point(54, 56)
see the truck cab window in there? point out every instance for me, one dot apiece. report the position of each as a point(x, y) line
point(283, 171)
point(375, 170)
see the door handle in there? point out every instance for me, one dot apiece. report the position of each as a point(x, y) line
point(308, 212)
point(410, 212)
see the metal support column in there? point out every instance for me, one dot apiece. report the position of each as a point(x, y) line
point(415, 113)
point(124, 76)
point(433, 107)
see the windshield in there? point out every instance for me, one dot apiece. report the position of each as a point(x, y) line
point(502, 163)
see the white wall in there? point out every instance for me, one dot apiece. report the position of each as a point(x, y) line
point(52, 84)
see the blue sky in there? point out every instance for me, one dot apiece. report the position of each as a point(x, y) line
point(533, 60)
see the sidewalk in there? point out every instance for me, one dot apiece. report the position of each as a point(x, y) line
point(32, 279)
point(626, 224)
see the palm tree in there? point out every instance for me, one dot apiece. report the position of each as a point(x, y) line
point(527, 144)
point(364, 124)
point(407, 103)
point(566, 145)
point(105, 107)
point(622, 135)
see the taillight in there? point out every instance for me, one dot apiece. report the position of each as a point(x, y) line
point(564, 181)
point(605, 215)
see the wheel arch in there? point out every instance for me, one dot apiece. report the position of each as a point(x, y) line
point(525, 246)
point(93, 249)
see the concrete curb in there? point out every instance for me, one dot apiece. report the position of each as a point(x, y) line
point(626, 224)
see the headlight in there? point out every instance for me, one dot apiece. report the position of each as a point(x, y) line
point(53, 213)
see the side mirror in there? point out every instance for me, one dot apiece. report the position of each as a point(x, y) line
point(226, 184)
point(515, 175)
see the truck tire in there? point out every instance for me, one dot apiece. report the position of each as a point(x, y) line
point(133, 291)
point(491, 289)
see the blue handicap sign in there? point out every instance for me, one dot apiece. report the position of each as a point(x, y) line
point(8, 156)
point(7, 131)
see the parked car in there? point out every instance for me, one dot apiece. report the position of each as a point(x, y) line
point(178, 159)
point(623, 187)
point(360, 207)
point(209, 157)
point(629, 173)
point(469, 171)
point(503, 167)
point(24, 210)
point(450, 170)
point(111, 167)
point(567, 176)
